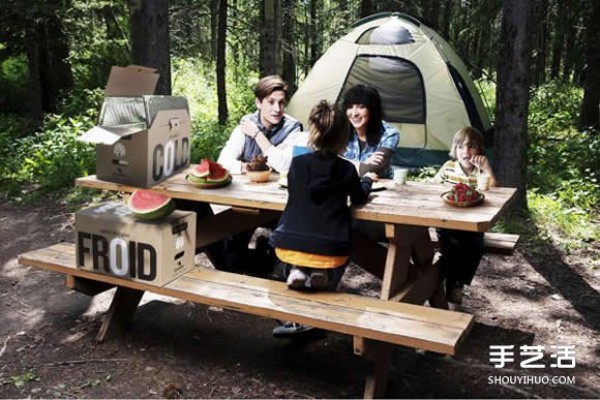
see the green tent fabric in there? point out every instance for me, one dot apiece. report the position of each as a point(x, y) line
point(426, 90)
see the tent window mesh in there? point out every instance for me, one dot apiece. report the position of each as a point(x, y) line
point(398, 82)
point(386, 34)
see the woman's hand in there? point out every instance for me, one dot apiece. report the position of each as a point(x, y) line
point(374, 177)
point(249, 128)
point(376, 158)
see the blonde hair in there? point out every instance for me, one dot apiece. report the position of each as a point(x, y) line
point(471, 134)
point(329, 129)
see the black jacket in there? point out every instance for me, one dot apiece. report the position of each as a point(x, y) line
point(317, 217)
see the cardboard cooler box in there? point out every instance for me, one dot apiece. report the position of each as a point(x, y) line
point(140, 139)
point(112, 241)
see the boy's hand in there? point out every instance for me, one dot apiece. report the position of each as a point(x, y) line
point(249, 128)
point(480, 161)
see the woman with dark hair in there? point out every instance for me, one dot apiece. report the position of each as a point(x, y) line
point(372, 140)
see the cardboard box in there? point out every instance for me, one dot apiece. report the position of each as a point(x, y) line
point(140, 139)
point(111, 241)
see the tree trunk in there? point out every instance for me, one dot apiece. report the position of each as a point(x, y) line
point(221, 43)
point(590, 115)
point(558, 41)
point(53, 51)
point(268, 65)
point(288, 33)
point(567, 70)
point(315, 31)
point(214, 21)
point(150, 39)
point(35, 109)
point(541, 24)
point(366, 8)
point(512, 98)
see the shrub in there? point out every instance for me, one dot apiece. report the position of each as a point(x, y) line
point(196, 81)
point(51, 157)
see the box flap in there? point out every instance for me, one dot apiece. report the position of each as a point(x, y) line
point(132, 80)
point(111, 134)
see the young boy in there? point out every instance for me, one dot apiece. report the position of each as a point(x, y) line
point(461, 251)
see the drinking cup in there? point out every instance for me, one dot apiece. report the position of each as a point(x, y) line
point(400, 175)
point(483, 182)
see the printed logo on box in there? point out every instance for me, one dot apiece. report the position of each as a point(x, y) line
point(119, 150)
point(169, 158)
point(117, 256)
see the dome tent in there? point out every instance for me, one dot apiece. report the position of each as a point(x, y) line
point(426, 90)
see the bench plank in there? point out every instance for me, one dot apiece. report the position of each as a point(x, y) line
point(398, 323)
point(498, 243)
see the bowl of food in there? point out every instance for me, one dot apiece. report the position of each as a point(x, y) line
point(257, 169)
point(463, 195)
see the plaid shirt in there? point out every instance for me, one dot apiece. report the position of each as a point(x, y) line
point(389, 139)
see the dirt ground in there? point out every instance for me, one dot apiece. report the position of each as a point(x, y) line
point(182, 350)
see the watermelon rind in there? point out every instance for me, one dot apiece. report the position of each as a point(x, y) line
point(203, 169)
point(194, 179)
point(218, 178)
point(149, 205)
point(160, 213)
point(209, 185)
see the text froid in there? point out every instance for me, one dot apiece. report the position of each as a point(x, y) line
point(117, 256)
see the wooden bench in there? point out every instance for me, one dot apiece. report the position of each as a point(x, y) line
point(498, 243)
point(371, 321)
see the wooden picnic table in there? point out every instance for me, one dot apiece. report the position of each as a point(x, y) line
point(405, 264)
point(406, 210)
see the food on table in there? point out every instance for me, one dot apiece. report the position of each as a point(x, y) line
point(145, 204)
point(258, 170)
point(209, 174)
point(258, 163)
point(462, 192)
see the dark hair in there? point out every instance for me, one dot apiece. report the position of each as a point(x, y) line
point(268, 85)
point(369, 97)
point(329, 128)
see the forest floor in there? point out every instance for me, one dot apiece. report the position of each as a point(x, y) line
point(538, 296)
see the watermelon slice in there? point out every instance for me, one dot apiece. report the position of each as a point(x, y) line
point(217, 174)
point(145, 204)
point(202, 170)
point(204, 184)
point(209, 174)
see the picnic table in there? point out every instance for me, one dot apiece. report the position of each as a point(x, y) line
point(406, 210)
point(405, 264)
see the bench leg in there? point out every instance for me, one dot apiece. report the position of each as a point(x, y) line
point(120, 313)
point(380, 356)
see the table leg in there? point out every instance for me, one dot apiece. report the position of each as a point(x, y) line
point(413, 282)
point(120, 313)
point(379, 355)
point(397, 264)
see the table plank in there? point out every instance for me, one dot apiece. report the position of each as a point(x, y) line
point(416, 203)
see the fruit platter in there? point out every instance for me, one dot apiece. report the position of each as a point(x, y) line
point(209, 175)
point(463, 195)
